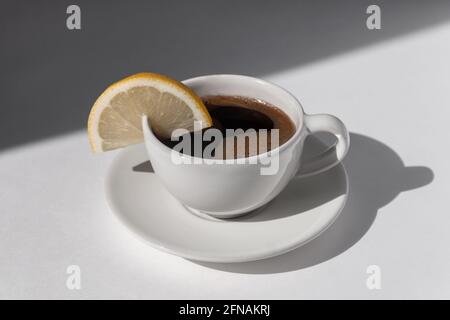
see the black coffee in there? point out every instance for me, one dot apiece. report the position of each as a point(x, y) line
point(230, 113)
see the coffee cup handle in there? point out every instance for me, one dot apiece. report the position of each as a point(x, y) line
point(333, 155)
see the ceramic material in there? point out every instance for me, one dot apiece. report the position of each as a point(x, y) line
point(305, 208)
point(230, 189)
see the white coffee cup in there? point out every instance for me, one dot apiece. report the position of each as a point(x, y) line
point(225, 188)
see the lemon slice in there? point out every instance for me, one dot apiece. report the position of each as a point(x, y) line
point(115, 118)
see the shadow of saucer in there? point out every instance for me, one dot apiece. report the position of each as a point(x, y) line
point(377, 175)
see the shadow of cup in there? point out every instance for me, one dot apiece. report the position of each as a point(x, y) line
point(377, 175)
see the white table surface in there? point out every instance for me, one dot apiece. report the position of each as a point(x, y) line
point(393, 96)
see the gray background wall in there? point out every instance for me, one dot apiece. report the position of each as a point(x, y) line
point(50, 76)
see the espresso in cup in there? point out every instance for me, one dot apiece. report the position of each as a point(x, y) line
point(235, 116)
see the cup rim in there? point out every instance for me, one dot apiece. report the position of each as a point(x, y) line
point(264, 155)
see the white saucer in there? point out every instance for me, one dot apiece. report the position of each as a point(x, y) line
point(300, 213)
